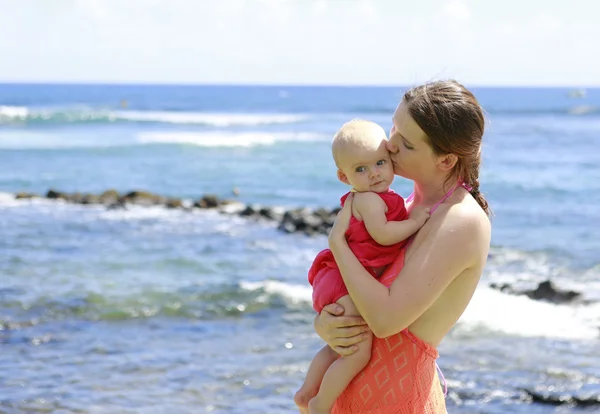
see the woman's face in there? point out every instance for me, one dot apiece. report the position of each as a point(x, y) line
point(410, 152)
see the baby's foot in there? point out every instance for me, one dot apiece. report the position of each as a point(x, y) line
point(316, 407)
point(302, 397)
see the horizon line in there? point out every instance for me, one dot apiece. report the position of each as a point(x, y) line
point(283, 85)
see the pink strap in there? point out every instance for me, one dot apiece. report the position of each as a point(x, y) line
point(466, 186)
point(436, 367)
point(443, 379)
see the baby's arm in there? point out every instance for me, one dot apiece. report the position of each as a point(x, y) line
point(372, 210)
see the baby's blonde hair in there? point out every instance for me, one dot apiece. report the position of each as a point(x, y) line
point(358, 133)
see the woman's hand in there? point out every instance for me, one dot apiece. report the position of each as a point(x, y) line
point(340, 332)
point(342, 222)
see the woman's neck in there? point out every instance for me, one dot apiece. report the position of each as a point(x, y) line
point(429, 193)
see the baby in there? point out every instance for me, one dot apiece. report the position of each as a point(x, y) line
point(378, 230)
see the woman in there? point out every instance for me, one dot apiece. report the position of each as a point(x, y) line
point(436, 142)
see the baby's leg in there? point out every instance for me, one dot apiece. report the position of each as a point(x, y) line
point(319, 365)
point(343, 370)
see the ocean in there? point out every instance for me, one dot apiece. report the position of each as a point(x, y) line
point(155, 310)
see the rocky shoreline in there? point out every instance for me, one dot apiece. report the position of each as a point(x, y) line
point(298, 220)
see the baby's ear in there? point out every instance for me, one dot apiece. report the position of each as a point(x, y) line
point(342, 177)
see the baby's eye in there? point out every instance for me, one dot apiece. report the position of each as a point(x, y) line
point(360, 169)
point(380, 162)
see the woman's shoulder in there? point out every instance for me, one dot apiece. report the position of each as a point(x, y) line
point(462, 221)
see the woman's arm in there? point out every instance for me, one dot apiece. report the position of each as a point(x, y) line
point(449, 249)
point(372, 211)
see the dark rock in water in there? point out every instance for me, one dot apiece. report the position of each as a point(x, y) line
point(109, 197)
point(24, 195)
point(287, 227)
point(117, 205)
point(503, 287)
point(305, 221)
point(267, 213)
point(322, 213)
point(302, 220)
point(249, 211)
point(563, 398)
point(208, 201)
point(55, 195)
point(90, 199)
point(143, 198)
point(79, 198)
point(547, 291)
point(174, 203)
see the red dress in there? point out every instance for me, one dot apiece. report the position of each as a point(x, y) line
point(324, 275)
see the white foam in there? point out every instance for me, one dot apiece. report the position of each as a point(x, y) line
point(7, 199)
point(223, 139)
point(13, 112)
point(521, 316)
point(213, 119)
point(296, 293)
point(490, 310)
point(86, 114)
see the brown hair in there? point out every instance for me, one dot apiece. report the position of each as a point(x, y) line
point(453, 121)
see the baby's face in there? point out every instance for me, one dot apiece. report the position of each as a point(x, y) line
point(367, 168)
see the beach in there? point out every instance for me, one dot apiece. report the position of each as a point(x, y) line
point(145, 307)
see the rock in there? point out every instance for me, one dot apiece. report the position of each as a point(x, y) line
point(545, 291)
point(303, 220)
point(117, 205)
point(249, 211)
point(90, 199)
point(548, 292)
point(549, 398)
point(174, 203)
point(109, 197)
point(56, 195)
point(24, 195)
point(208, 201)
point(272, 213)
point(143, 198)
point(75, 198)
point(287, 227)
point(503, 287)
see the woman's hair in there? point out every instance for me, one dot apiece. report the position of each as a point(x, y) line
point(453, 121)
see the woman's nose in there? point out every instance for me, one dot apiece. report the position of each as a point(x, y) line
point(391, 147)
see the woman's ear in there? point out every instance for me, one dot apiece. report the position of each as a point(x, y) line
point(447, 162)
point(342, 177)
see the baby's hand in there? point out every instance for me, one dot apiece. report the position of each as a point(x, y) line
point(420, 214)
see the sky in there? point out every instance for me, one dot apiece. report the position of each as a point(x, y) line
point(331, 42)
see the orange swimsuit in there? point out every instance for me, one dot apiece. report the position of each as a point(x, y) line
point(401, 375)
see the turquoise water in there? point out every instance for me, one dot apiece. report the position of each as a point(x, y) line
point(154, 310)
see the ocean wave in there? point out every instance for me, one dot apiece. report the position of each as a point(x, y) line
point(24, 115)
point(19, 115)
point(191, 302)
point(489, 311)
point(224, 139)
point(35, 140)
